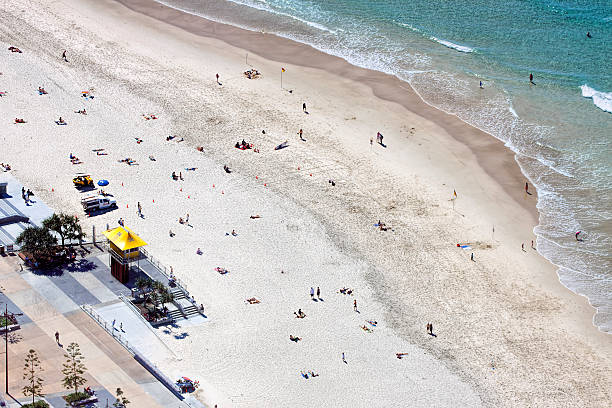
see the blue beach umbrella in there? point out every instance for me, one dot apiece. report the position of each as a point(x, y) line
point(103, 182)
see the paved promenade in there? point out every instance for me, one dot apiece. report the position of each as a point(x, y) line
point(50, 303)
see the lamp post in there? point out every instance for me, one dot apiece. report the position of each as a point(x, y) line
point(6, 316)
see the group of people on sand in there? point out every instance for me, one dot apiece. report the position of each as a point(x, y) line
point(14, 49)
point(382, 226)
point(243, 145)
point(74, 159)
point(251, 74)
point(5, 167)
point(308, 373)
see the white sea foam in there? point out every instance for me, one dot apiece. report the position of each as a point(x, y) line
point(602, 100)
point(460, 48)
point(512, 111)
point(265, 7)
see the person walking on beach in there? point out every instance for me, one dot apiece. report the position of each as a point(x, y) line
point(139, 210)
point(318, 293)
point(121, 326)
point(114, 324)
point(472, 257)
point(431, 328)
point(427, 327)
point(527, 187)
point(532, 247)
point(217, 76)
point(64, 56)
point(344, 359)
point(355, 305)
point(57, 337)
point(523, 246)
point(312, 292)
point(304, 107)
point(531, 78)
point(481, 86)
point(300, 133)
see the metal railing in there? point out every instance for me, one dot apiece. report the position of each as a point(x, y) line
point(162, 268)
point(148, 365)
point(110, 330)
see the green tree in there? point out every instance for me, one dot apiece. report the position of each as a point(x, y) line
point(74, 369)
point(31, 373)
point(66, 226)
point(122, 401)
point(36, 240)
point(142, 283)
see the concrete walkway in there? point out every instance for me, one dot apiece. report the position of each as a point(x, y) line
point(52, 303)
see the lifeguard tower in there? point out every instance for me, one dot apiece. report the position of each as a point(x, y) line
point(123, 250)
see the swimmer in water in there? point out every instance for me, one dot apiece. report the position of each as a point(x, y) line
point(589, 34)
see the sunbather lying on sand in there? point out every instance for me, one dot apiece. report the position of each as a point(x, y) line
point(14, 49)
point(366, 328)
point(17, 120)
point(82, 112)
point(346, 291)
point(253, 301)
point(200, 149)
point(400, 355)
point(255, 216)
point(299, 314)
point(294, 338)
point(41, 91)
point(227, 169)
point(222, 271)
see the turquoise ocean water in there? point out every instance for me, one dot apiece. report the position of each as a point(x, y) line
point(560, 128)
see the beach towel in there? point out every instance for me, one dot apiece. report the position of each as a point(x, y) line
point(281, 146)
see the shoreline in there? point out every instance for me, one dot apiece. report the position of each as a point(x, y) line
point(491, 153)
point(509, 333)
point(384, 86)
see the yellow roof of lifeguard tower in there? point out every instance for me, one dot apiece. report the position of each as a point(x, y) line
point(124, 238)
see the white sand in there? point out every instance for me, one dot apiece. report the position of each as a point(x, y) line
point(507, 309)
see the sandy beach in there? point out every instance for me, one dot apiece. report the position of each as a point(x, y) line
point(507, 332)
